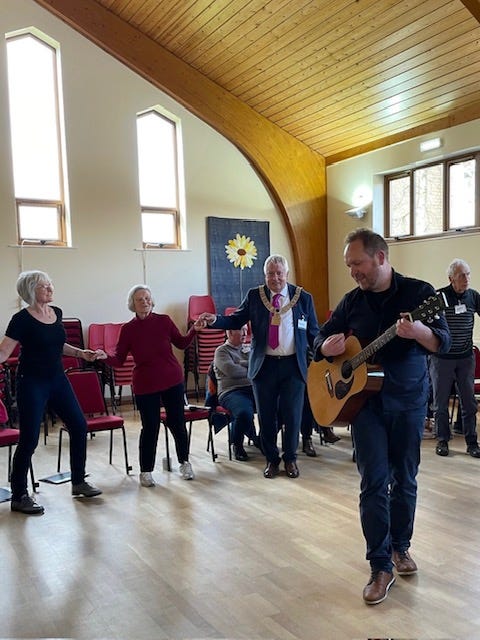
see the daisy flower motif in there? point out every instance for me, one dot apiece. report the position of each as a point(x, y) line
point(241, 251)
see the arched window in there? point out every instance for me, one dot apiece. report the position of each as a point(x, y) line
point(160, 179)
point(36, 138)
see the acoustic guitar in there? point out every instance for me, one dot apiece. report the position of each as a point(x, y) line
point(339, 386)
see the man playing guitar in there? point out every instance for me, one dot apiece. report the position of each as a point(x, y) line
point(387, 431)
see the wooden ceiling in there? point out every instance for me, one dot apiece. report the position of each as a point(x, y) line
point(342, 76)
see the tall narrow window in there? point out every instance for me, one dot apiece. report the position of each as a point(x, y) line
point(36, 139)
point(158, 166)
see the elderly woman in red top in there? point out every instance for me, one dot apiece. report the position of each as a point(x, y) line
point(157, 377)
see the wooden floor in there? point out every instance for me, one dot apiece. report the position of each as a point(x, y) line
point(232, 555)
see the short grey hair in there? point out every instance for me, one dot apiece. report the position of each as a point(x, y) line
point(277, 259)
point(28, 281)
point(133, 291)
point(453, 266)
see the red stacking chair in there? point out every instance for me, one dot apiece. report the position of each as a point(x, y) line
point(88, 389)
point(9, 438)
point(198, 305)
point(192, 414)
point(199, 354)
point(121, 376)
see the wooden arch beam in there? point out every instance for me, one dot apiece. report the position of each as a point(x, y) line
point(293, 173)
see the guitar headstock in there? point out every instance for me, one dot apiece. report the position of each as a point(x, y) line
point(433, 306)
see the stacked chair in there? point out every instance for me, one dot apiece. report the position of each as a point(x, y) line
point(105, 336)
point(199, 355)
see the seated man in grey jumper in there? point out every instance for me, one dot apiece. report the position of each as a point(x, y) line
point(234, 388)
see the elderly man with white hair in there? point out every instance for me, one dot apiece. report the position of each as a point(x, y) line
point(458, 364)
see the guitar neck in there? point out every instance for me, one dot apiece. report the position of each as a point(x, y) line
point(373, 347)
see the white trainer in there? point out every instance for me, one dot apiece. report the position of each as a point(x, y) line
point(146, 479)
point(186, 471)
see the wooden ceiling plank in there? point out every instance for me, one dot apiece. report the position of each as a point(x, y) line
point(433, 126)
point(221, 29)
point(231, 40)
point(387, 86)
point(311, 37)
point(338, 47)
point(398, 121)
point(359, 58)
point(373, 75)
point(454, 81)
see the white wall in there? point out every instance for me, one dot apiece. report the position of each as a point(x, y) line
point(425, 259)
point(102, 98)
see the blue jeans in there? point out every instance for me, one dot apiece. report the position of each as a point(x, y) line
point(149, 405)
point(241, 404)
point(33, 394)
point(387, 450)
point(279, 386)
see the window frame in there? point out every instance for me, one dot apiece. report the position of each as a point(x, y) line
point(62, 222)
point(176, 212)
point(410, 172)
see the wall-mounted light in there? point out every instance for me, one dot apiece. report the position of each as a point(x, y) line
point(430, 145)
point(360, 199)
point(356, 212)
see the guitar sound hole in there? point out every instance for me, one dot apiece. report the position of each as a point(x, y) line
point(342, 389)
point(347, 369)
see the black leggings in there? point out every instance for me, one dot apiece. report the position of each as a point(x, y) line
point(149, 405)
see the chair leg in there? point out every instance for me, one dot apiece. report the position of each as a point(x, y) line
point(59, 449)
point(167, 448)
point(111, 447)
point(127, 466)
point(210, 445)
point(230, 443)
point(32, 478)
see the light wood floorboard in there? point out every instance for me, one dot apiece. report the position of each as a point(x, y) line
point(232, 555)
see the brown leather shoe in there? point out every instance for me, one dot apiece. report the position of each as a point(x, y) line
point(308, 448)
point(404, 563)
point(271, 470)
point(329, 436)
point(376, 590)
point(291, 469)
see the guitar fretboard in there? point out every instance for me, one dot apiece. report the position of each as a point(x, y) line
point(373, 347)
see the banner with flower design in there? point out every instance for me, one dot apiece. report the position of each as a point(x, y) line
point(237, 250)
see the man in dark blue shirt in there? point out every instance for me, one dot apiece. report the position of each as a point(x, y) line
point(458, 365)
point(387, 431)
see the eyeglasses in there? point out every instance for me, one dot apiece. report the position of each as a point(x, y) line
point(44, 286)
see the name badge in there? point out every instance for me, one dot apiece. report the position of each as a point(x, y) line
point(302, 324)
point(460, 308)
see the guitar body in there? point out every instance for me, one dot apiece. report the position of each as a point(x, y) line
point(338, 387)
point(334, 390)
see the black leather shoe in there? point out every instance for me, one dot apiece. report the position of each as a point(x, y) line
point(473, 450)
point(442, 448)
point(291, 469)
point(329, 436)
point(240, 453)
point(271, 470)
point(308, 449)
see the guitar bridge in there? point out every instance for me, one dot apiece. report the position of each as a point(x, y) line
point(328, 380)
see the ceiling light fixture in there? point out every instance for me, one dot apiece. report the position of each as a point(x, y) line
point(429, 145)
